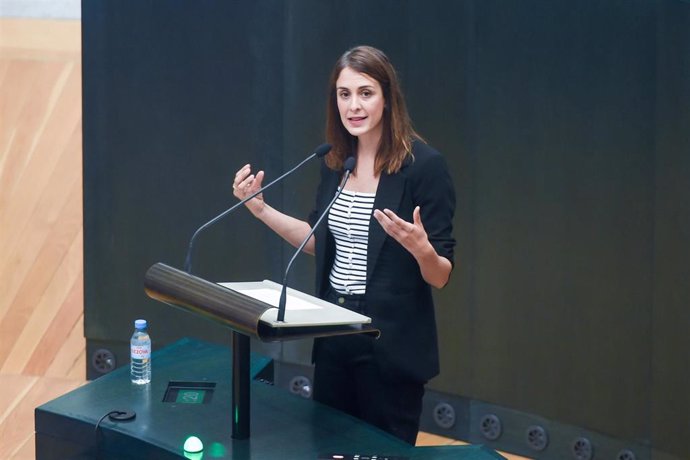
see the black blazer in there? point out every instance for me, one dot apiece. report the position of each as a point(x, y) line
point(398, 299)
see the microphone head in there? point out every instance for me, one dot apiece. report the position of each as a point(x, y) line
point(349, 164)
point(322, 150)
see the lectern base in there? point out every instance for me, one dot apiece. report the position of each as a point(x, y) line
point(283, 426)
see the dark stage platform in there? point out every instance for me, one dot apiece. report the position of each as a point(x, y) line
point(283, 426)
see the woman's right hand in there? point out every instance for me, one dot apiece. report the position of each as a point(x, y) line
point(245, 184)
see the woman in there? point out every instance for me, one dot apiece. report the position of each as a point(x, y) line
point(387, 242)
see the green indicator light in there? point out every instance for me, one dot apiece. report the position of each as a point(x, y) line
point(193, 445)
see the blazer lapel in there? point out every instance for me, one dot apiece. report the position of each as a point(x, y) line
point(388, 196)
point(321, 234)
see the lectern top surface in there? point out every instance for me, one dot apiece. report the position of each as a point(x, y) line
point(300, 309)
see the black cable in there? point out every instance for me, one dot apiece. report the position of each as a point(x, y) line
point(97, 434)
point(106, 415)
point(115, 415)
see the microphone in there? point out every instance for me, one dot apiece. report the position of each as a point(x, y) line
point(320, 152)
point(349, 166)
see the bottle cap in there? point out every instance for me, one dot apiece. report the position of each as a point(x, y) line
point(140, 324)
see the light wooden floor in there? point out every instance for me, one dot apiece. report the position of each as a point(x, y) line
point(41, 302)
point(42, 348)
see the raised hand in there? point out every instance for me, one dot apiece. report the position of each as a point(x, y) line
point(411, 235)
point(245, 184)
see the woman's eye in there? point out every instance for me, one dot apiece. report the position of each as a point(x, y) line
point(343, 95)
point(366, 93)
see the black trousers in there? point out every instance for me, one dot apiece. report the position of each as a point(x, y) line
point(347, 378)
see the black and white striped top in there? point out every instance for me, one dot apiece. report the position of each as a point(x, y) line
point(348, 221)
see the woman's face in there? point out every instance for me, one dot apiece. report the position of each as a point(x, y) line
point(360, 103)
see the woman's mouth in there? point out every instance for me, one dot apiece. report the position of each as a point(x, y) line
point(356, 121)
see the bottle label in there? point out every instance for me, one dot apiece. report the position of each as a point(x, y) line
point(140, 352)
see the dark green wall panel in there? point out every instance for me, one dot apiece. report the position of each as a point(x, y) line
point(175, 100)
point(670, 409)
point(564, 218)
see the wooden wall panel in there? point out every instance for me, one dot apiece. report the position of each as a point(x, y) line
point(42, 346)
point(41, 273)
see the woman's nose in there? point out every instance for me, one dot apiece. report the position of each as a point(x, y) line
point(354, 104)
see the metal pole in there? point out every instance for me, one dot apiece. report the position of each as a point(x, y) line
point(240, 386)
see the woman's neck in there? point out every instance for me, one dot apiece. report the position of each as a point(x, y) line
point(367, 147)
point(366, 158)
point(364, 178)
point(368, 143)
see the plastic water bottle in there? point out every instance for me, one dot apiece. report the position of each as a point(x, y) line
point(140, 353)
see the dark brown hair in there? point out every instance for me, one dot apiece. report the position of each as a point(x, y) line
point(397, 136)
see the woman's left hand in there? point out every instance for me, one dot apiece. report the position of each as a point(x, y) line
point(411, 235)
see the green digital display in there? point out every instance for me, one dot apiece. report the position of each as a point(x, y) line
point(189, 392)
point(190, 396)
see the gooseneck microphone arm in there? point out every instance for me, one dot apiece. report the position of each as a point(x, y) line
point(320, 152)
point(349, 166)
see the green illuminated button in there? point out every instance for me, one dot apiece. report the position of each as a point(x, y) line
point(193, 444)
point(190, 396)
